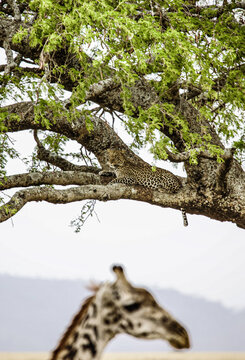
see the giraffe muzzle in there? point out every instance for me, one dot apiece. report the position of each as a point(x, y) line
point(180, 338)
point(180, 342)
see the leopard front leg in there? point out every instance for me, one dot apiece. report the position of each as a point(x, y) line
point(124, 180)
point(107, 173)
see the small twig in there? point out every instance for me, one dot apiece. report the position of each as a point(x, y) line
point(84, 157)
point(3, 192)
point(120, 118)
point(39, 144)
point(87, 210)
point(113, 120)
point(96, 110)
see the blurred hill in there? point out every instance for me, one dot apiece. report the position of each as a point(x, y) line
point(35, 312)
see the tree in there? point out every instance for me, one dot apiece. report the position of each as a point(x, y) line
point(171, 72)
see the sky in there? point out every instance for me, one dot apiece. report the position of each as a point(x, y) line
point(206, 259)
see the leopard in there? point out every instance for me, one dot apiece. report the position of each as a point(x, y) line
point(133, 173)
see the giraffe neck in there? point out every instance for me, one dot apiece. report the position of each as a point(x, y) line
point(88, 334)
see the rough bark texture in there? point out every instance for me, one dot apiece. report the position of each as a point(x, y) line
point(211, 189)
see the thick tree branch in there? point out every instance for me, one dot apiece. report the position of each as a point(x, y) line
point(54, 196)
point(97, 192)
point(49, 178)
point(188, 199)
point(143, 95)
point(97, 141)
point(96, 90)
point(181, 157)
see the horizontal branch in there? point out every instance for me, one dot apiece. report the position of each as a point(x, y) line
point(184, 156)
point(48, 178)
point(97, 89)
point(187, 199)
point(96, 192)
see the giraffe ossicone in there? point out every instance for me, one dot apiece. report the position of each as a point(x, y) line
point(117, 307)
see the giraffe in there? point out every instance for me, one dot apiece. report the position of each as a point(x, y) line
point(115, 308)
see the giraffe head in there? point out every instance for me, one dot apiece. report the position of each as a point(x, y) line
point(116, 308)
point(134, 311)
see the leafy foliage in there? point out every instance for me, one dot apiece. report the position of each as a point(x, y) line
point(176, 44)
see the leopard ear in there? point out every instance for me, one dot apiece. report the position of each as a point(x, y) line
point(123, 154)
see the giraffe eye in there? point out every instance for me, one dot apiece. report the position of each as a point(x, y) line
point(132, 307)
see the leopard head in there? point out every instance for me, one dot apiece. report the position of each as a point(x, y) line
point(116, 158)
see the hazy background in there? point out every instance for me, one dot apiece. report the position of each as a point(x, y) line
point(34, 313)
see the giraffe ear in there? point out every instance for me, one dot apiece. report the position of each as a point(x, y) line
point(118, 270)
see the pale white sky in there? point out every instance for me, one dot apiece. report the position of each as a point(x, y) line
point(206, 259)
